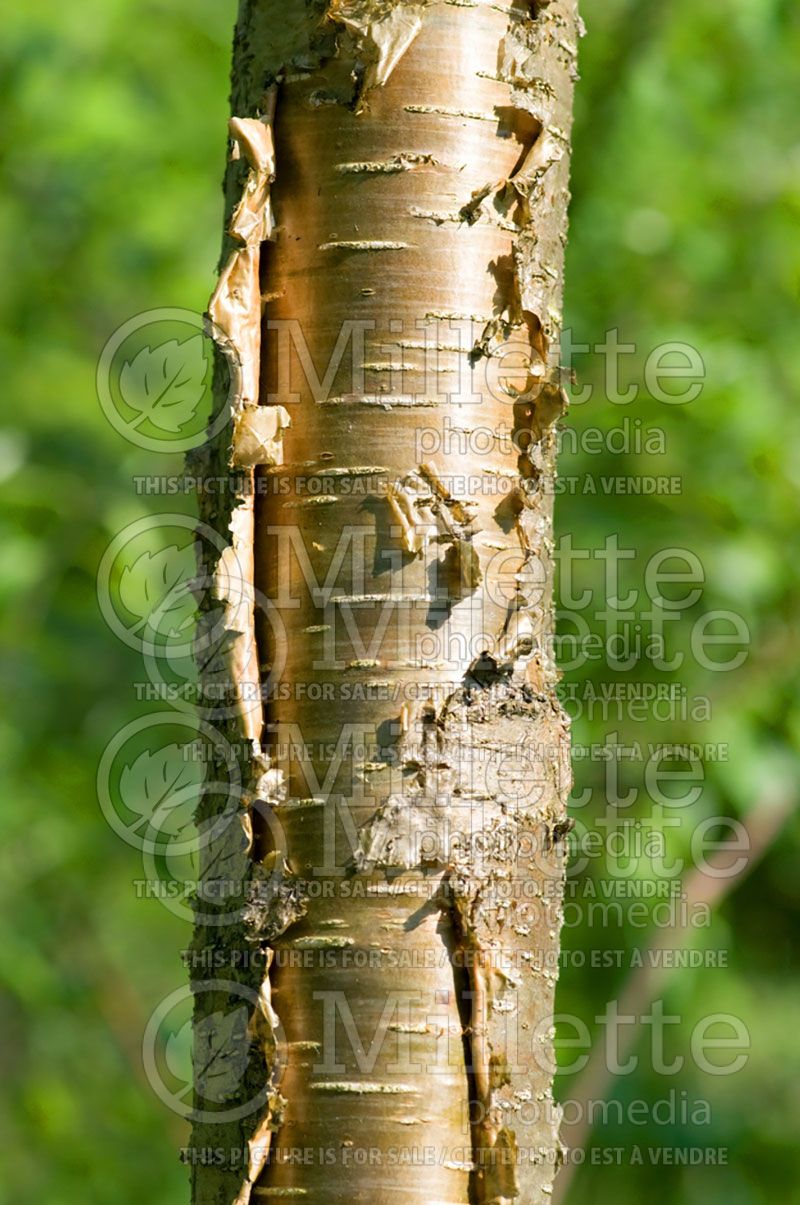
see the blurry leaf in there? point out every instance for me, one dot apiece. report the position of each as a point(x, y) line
point(166, 384)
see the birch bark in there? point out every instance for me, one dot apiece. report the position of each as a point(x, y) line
point(397, 204)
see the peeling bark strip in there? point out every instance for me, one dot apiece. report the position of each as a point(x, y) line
point(402, 168)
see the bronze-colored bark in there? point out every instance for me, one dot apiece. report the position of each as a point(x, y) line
point(405, 798)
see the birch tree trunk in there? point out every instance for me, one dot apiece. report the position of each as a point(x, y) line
point(396, 205)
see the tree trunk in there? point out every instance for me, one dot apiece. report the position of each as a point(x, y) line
point(391, 942)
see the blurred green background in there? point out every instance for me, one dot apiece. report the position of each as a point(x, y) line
point(684, 219)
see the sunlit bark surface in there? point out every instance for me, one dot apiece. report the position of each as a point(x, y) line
point(409, 768)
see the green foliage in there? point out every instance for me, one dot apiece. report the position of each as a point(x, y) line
point(114, 132)
point(686, 186)
point(686, 198)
